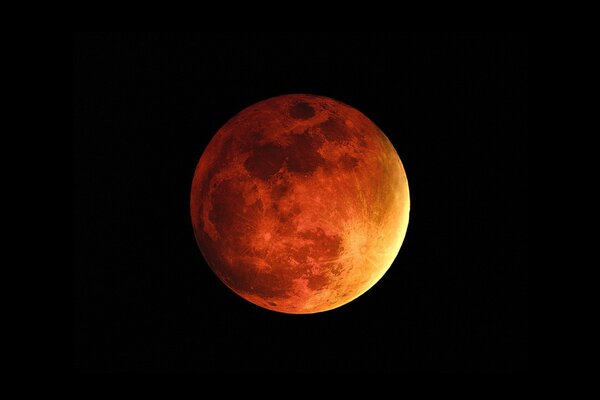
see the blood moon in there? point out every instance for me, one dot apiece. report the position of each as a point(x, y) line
point(299, 204)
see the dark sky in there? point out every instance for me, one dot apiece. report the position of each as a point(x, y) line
point(455, 106)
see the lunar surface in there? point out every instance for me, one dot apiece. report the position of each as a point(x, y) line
point(299, 204)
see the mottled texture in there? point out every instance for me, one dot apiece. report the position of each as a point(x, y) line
point(299, 204)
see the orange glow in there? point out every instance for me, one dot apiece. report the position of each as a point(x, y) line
point(300, 204)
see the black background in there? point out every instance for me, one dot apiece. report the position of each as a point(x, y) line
point(453, 105)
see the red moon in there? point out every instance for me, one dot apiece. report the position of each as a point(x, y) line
point(300, 204)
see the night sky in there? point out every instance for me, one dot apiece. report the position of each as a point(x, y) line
point(455, 106)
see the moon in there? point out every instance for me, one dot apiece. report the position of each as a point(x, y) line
point(300, 204)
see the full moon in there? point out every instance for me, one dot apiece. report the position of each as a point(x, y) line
point(299, 204)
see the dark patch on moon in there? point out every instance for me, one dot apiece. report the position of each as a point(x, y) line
point(285, 217)
point(348, 162)
point(302, 154)
point(324, 246)
point(302, 111)
point(336, 269)
point(316, 282)
point(334, 129)
point(280, 189)
point(248, 279)
point(226, 154)
point(265, 160)
point(301, 254)
point(227, 209)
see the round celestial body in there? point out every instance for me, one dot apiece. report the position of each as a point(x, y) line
point(299, 204)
